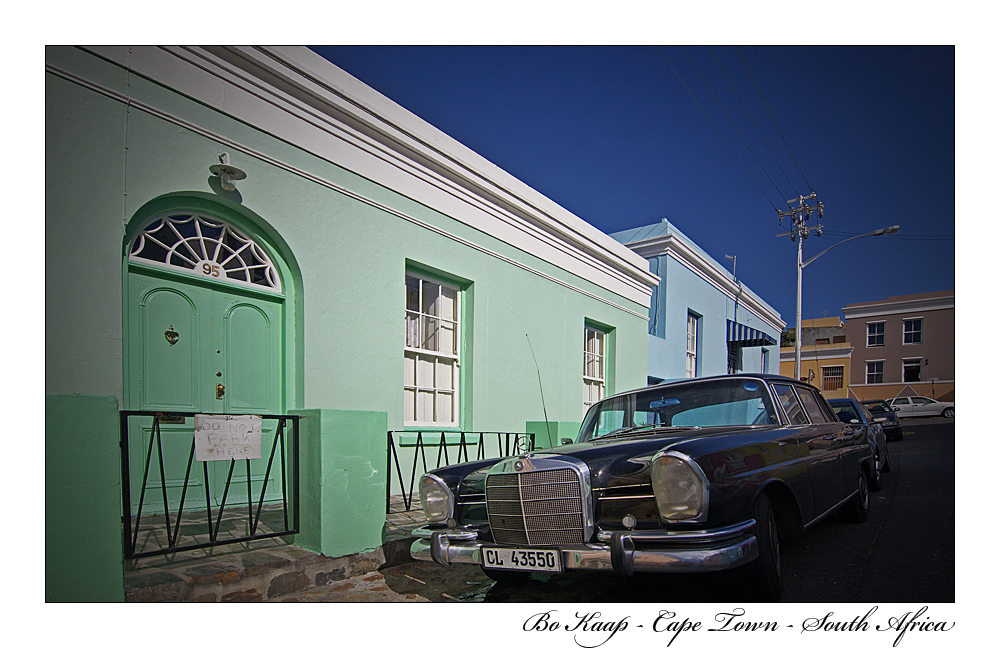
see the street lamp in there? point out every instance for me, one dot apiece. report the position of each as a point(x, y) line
point(800, 264)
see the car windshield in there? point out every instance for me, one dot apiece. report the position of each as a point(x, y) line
point(877, 408)
point(717, 403)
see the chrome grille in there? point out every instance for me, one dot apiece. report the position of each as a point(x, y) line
point(536, 508)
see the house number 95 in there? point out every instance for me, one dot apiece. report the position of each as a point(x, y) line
point(210, 269)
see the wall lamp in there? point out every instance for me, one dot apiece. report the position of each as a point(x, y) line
point(227, 173)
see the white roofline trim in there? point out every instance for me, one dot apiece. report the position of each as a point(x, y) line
point(138, 105)
point(676, 248)
point(299, 97)
point(881, 309)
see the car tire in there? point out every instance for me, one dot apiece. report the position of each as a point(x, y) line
point(875, 482)
point(856, 509)
point(949, 412)
point(505, 577)
point(761, 579)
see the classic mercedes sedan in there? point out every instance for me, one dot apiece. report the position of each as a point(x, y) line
point(698, 475)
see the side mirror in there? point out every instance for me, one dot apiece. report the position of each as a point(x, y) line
point(566, 441)
point(895, 409)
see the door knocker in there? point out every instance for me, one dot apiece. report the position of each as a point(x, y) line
point(171, 336)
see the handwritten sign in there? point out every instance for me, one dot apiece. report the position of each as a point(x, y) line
point(220, 437)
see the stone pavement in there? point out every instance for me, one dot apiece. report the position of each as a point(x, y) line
point(261, 570)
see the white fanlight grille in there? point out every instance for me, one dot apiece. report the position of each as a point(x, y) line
point(206, 247)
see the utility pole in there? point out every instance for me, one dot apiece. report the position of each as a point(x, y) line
point(800, 231)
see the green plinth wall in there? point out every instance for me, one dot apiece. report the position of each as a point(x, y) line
point(83, 532)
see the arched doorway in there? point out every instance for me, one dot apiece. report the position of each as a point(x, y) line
point(204, 333)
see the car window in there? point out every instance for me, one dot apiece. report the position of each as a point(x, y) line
point(789, 403)
point(716, 403)
point(816, 411)
point(900, 401)
point(846, 412)
point(921, 401)
point(877, 408)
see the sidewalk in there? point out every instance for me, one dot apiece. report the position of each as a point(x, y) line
point(261, 570)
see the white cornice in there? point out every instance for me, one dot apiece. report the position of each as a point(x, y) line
point(301, 98)
point(880, 309)
point(676, 248)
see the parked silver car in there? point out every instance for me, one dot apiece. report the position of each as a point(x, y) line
point(922, 406)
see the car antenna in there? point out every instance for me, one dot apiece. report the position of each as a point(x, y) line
point(540, 392)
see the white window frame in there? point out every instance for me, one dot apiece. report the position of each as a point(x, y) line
point(824, 377)
point(869, 373)
point(919, 362)
point(595, 355)
point(919, 333)
point(427, 391)
point(868, 334)
point(691, 351)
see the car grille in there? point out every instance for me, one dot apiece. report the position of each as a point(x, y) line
point(535, 508)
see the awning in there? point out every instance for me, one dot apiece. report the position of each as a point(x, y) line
point(744, 336)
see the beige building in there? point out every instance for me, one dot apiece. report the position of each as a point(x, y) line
point(826, 356)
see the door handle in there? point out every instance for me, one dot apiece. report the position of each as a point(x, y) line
point(220, 390)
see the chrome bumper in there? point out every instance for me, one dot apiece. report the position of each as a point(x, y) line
point(621, 552)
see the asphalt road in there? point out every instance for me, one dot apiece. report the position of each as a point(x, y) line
point(904, 552)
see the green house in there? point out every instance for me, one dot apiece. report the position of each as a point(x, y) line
point(251, 232)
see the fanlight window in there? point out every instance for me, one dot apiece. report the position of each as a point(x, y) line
point(209, 248)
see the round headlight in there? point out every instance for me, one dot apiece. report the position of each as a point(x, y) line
point(679, 487)
point(436, 498)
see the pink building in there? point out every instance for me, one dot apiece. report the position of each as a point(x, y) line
point(903, 345)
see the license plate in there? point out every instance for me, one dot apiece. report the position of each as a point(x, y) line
point(546, 560)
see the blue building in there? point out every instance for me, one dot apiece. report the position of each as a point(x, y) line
point(702, 321)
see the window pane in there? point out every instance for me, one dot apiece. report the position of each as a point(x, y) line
point(425, 406)
point(409, 405)
point(444, 375)
point(412, 330)
point(425, 372)
point(443, 414)
point(448, 303)
point(431, 341)
point(412, 294)
point(430, 298)
point(409, 370)
point(448, 340)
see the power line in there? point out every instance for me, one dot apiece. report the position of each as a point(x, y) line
point(733, 123)
point(754, 121)
point(773, 120)
point(901, 237)
point(664, 57)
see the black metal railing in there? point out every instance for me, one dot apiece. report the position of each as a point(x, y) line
point(451, 446)
point(264, 516)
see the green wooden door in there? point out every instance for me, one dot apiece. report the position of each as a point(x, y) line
point(200, 348)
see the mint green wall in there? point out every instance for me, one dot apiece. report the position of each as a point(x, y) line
point(558, 430)
point(344, 316)
point(352, 258)
point(83, 533)
point(342, 477)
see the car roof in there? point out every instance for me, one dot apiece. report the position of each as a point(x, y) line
point(692, 381)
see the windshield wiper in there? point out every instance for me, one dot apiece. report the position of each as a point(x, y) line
point(638, 428)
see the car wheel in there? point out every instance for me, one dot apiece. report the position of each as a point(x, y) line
point(875, 483)
point(856, 509)
point(506, 577)
point(949, 412)
point(761, 579)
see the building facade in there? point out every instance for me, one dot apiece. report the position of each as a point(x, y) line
point(252, 230)
point(903, 345)
point(825, 356)
point(702, 321)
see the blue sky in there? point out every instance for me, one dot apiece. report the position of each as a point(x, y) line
point(613, 135)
